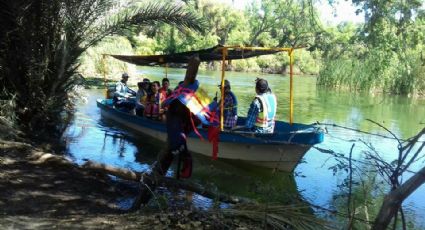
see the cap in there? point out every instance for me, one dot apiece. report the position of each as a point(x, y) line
point(125, 75)
point(261, 85)
point(146, 80)
point(226, 84)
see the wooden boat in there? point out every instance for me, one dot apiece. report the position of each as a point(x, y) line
point(281, 150)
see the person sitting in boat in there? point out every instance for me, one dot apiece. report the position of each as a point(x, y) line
point(141, 96)
point(178, 85)
point(262, 110)
point(230, 112)
point(147, 86)
point(153, 102)
point(165, 90)
point(123, 94)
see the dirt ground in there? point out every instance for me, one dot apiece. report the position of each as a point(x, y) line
point(35, 194)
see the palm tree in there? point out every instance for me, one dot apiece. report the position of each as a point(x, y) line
point(41, 41)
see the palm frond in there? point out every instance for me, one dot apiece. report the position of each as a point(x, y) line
point(41, 41)
point(147, 13)
point(278, 216)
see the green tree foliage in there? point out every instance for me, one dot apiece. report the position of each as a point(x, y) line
point(223, 23)
point(96, 64)
point(41, 41)
point(263, 23)
point(384, 54)
point(289, 23)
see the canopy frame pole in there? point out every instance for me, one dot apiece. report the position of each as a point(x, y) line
point(166, 70)
point(291, 86)
point(104, 75)
point(223, 70)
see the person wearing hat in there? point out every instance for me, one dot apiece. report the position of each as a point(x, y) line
point(230, 105)
point(262, 111)
point(123, 93)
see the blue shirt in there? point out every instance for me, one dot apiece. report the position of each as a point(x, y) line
point(253, 111)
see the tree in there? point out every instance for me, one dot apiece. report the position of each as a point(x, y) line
point(392, 202)
point(41, 42)
point(223, 25)
point(383, 54)
point(290, 23)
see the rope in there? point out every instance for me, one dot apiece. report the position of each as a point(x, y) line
point(360, 131)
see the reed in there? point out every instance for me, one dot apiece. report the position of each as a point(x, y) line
point(379, 71)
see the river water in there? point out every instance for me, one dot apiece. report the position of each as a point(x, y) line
point(91, 137)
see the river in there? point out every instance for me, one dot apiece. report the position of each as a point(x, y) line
point(91, 137)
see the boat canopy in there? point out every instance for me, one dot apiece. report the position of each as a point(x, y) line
point(211, 54)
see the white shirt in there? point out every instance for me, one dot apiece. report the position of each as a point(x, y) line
point(122, 91)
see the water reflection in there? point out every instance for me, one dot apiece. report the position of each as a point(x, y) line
point(95, 138)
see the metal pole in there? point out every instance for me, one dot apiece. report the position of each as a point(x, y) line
point(104, 75)
point(223, 68)
point(291, 86)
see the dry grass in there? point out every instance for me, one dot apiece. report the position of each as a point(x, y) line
point(278, 216)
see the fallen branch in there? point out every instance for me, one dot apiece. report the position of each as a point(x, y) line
point(107, 169)
point(48, 158)
point(393, 201)
point(164, 181)
point(38, 157)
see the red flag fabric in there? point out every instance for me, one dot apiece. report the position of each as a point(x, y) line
point(213, 137)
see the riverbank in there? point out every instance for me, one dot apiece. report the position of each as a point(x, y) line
point(38, 193)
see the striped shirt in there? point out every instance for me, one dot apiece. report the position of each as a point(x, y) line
point(230, 110)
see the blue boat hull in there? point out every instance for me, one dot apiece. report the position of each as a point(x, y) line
point(281, 150)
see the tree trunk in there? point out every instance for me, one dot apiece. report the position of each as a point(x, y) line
point(395, 198)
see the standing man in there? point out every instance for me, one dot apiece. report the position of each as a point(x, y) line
point(180, 121)
point(123, 93)
point(262, 111)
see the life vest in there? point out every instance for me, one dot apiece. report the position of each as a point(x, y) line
point(163, 97)
point(265, 118)
point(143, 99)
point(197, 101)
point(153, 105)
point(165, 92)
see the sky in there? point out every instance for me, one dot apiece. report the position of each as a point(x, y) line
point(344, 11)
